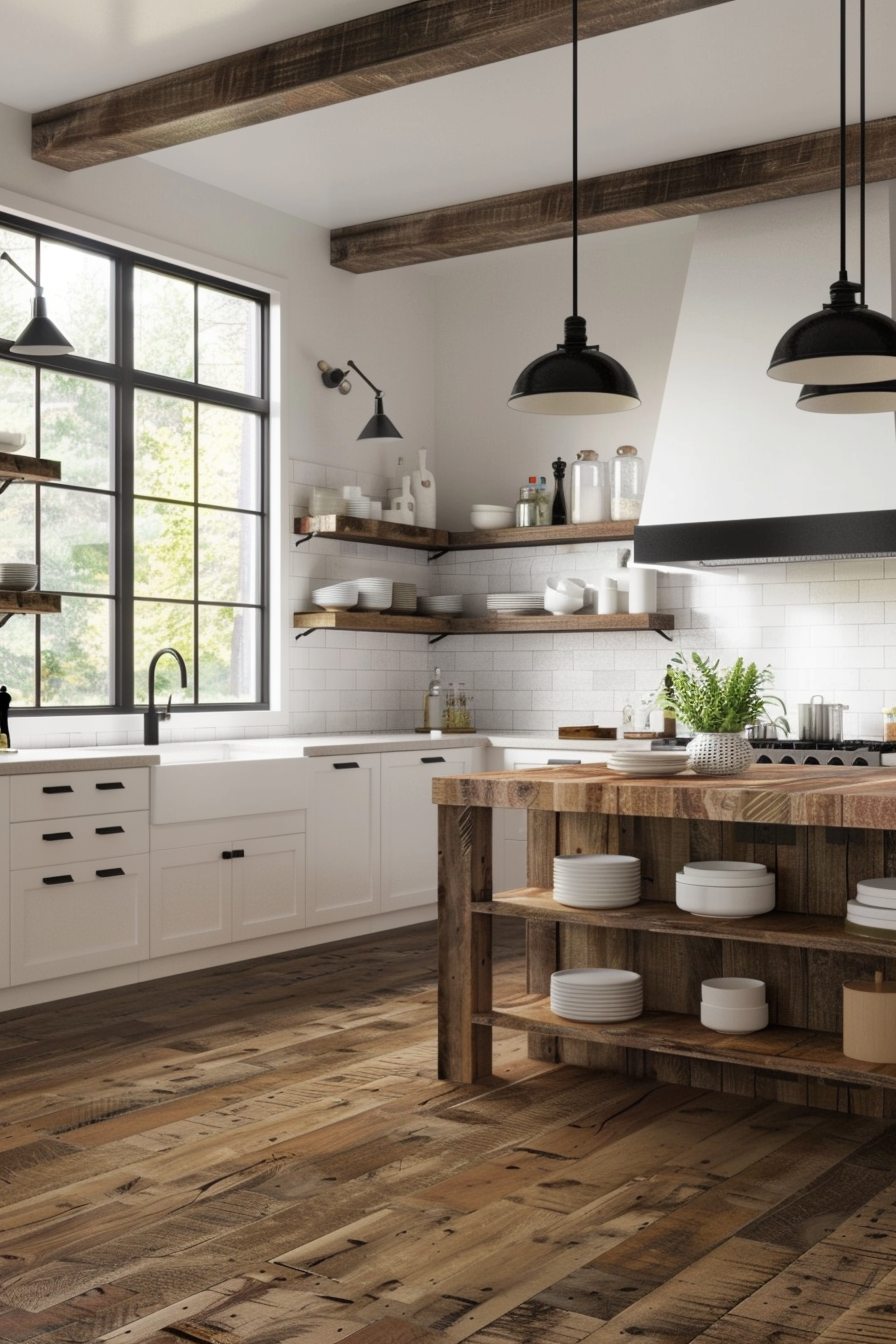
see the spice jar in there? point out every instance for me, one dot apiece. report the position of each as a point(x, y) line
point(626, 484)
point(526, 514)
point(890, 724)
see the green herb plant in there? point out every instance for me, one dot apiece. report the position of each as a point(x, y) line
point(710, 701)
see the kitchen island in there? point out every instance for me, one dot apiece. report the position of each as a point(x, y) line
point(820, 829)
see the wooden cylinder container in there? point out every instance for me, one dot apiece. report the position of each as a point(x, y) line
point(869, 1020)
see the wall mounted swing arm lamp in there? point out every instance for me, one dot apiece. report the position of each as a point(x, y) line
point(40, 336)
point(379, 426)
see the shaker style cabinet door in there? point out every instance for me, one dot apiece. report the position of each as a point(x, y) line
point(268, 886)
point(410, 823)
point(343, 838)
point(190, 899)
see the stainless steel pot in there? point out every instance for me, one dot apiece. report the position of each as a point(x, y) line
point(820, 721)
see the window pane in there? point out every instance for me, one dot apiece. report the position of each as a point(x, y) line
point(160, 625)
point(163, 550)
point(76, 428)
point(15, 291)
point(229, 341)
point(78, 288)
point(163, 446)
point(229, 458)
point(75, 541)
point(228, 556)
point(163, 324)
point(18, 540)
point(17, 403)
point(76, 653)
point(18, 664)
point(228, 655)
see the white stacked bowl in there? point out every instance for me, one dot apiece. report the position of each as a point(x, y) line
point(336, 597)
point(490, 517)
point(597, 881)
point(725, 889)
point(733, 1005)
point(18, 577)
point(597, 994)
point(873, 912)
point(374, 594)
point(443, 604)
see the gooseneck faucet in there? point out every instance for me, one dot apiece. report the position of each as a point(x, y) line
point(153, 717)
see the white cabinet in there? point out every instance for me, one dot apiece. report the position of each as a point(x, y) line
point(268, 880)
point(78, 917)
point(78, 793)
point(410, 824)
point(343, 838)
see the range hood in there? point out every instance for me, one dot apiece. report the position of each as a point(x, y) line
point(737, 474)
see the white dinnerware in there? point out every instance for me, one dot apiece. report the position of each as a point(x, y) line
point(490, 517)
point(725, 889)
point(597, 994)
point(734, 1021)
point(18, 577)
point(733, 991)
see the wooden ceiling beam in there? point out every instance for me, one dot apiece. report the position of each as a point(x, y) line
point(414, 42)
point(797, 166)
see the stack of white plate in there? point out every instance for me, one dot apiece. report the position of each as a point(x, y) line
point(597, 994)
point(336, 597)
point(19, 578)
point(404, 597)
point(324, 501)
point(516, 604)
point(444, 604)
point(627, 761)
point(725, 889)
point(597, 881)
point(374, 594)
point(358, 508)
point(873, 912)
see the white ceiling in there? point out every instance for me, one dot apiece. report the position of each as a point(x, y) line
point(742, 72)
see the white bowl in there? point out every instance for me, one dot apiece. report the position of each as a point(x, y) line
point(734, 1021)
point(569, 585)
point(560, 604)
point(18, 577)
point(733, 991)
point(725, 902)
point(491, 516)
point(725, 873)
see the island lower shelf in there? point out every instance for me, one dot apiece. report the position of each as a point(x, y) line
point(786, 1050)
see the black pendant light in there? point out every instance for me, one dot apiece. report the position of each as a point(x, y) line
point(847, 342)
point(576, 378)
point(853, 398)
point(40, 336)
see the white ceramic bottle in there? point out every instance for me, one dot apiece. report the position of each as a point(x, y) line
point(423, 488)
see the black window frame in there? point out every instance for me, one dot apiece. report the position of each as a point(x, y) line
point(125, 380)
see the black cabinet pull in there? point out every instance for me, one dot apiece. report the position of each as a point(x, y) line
point(58, 835)
point(58, 788)
point(107, 830)
point(346, 765)
point(239, 853)
point(433, 760)
point(55, 881)
point(552, 760)
point(228, 854)
point(116, 785)
point(110, 872)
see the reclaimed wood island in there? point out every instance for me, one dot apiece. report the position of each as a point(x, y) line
point(820, 829)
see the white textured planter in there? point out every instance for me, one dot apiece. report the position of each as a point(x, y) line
point(719, 754)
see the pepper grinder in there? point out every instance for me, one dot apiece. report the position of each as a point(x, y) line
point(558, 509)
point(5, 702)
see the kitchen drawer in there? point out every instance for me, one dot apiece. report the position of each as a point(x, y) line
point(76, 839)
point(78, 793)
point(67, 919)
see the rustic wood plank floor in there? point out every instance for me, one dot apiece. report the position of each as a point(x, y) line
point(263, 1153)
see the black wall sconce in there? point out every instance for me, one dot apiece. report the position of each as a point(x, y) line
point(41, 336)
point(379, 426)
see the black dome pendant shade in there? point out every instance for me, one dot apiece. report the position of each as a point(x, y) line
point(576, 378)
point(854, 399)
point(846, 343)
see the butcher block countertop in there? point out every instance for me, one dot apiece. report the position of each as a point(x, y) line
point(858, 796)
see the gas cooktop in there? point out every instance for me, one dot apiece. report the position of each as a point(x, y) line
point(798, 751)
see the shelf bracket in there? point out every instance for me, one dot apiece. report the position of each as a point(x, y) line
point(307, 537)
point(303, 634)
point(436, 555)
point(10, 480)
point(436, 639)
point(662, 634)
point(6, 616)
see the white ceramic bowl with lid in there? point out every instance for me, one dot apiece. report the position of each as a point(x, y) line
point(721, 902)
point(725, 873)
point(734, 1021)
point(733, 991)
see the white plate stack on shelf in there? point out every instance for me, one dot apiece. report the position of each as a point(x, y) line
point(336, 597)
point(357, 505)
point(18, 578)
point(515, 604)
point(597, 881)
point(733, 1005)
point(324, 501)
point(444, 604)
point(725, 889)
point(404, 598)
point(374, 594)
point(597, 994)
point(658, 764)
point(873, 913)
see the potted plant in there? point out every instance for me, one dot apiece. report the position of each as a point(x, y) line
point(717, 706)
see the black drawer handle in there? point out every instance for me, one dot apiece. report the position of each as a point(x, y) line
point(58, 788)
point(346, 765)
point(107, 830)
point(116, 785)
point(228, 854)
point(239, 853)
point(552, 760)
point(55, 881)
point(110, 872)
point(433, 760)
point(58, 835)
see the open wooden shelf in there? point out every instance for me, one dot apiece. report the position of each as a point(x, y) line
point(32, 604)
point(476, 625)
point(814, 1054)
point(339, 527)
point(15, 467)
point(368, 620)
point(824, 933)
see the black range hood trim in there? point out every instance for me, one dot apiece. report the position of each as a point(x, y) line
point(745, 541)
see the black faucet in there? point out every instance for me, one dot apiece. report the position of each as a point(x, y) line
point(152, 717)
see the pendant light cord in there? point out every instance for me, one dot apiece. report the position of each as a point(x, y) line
point(843, 275)
point(575, 157)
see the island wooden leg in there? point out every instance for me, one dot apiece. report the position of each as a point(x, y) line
point(542, 938)
point(465, 942)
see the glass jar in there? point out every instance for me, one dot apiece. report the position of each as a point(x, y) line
point(526, 509)
point(890, 724)
point(457, 716)
point(588, 494)
point(626, 484)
